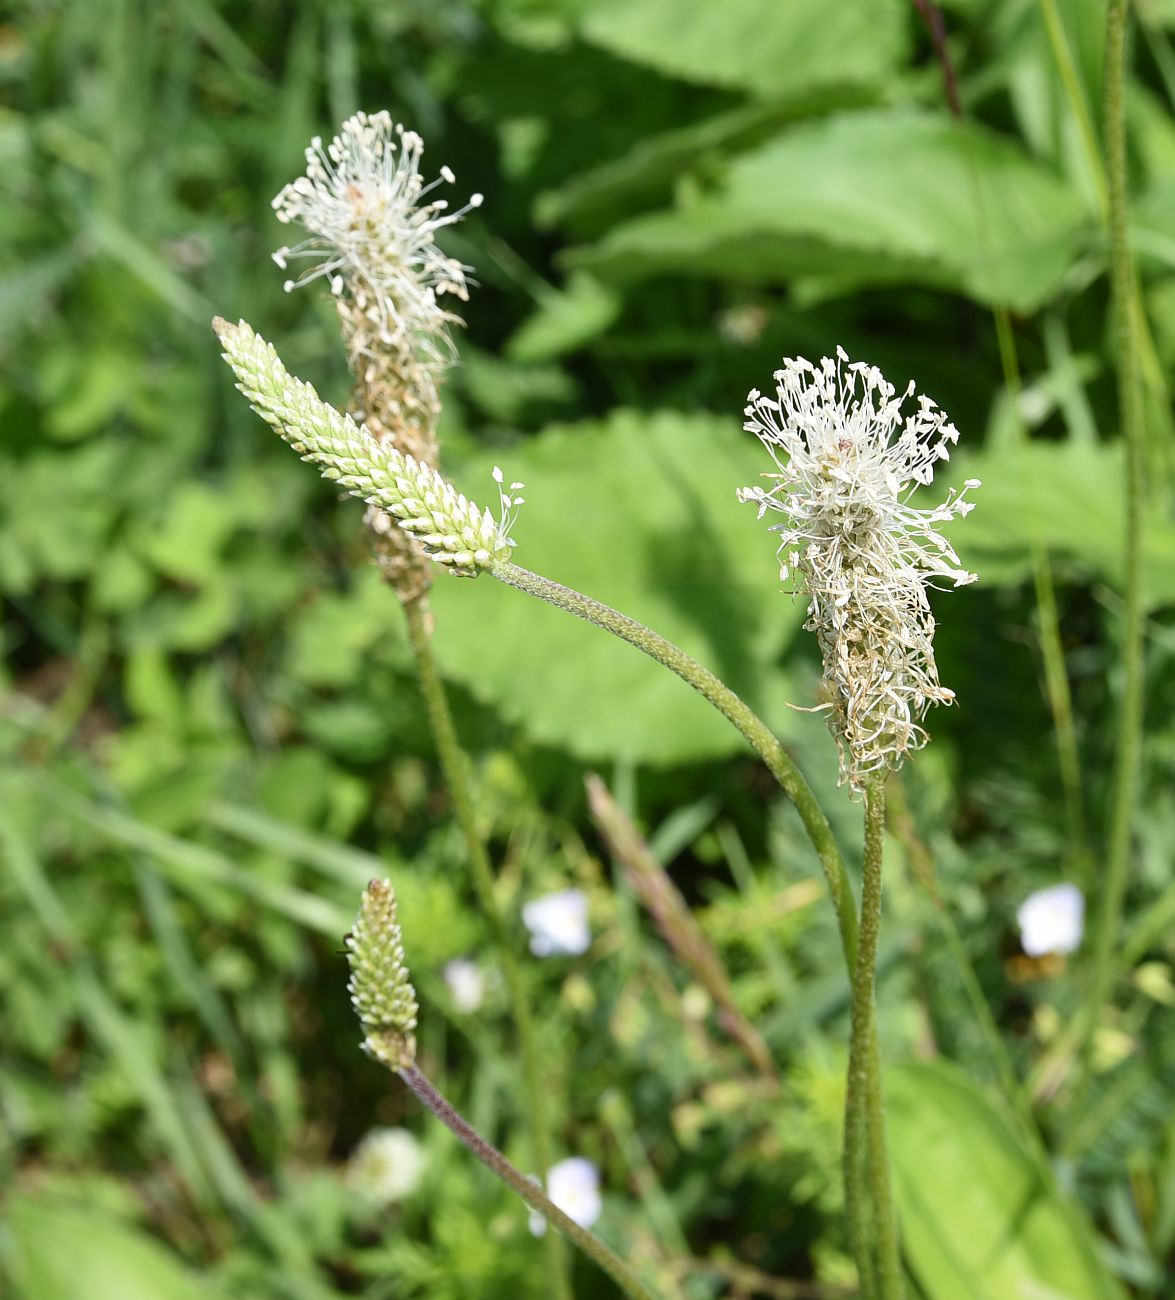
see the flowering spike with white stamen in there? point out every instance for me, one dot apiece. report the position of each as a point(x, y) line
point(847, 462)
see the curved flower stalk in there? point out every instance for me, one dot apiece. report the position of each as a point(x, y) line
point(847, 461)
point(453, 530)
point(385, 1002)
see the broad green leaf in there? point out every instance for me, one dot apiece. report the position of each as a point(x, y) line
point(645, 174)
point(870, 198)
point(769, 49)
point(565, 320)
point(1064, 496)
point(978, 1221)
point(640, 512)
point(63, 1252)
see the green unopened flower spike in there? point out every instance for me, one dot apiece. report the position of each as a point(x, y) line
point(381, 992)
point(453, 530)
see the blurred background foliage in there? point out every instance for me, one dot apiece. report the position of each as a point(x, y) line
point(207, 690)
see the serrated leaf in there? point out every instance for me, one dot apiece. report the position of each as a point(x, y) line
point(978, 1221)
point(870, 197)
point(769, 49)
point(638, 511)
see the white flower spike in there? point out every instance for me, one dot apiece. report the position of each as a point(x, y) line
point(453, 530)
point(847, 461)
point(363, 201)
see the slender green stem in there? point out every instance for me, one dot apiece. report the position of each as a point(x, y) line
point(1056, 676)
point(865, 1144)
point(530, 1191)
point(764, 742)
point(760, 737)
point(1129, 743)
point(453, 764)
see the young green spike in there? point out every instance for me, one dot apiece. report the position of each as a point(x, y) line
point(381, 992)
point(453, 530)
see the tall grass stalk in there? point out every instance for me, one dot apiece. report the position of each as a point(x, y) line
point(1130, 707)
point(454, 765)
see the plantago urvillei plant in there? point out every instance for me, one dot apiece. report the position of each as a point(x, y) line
point(385, 1002)
point(372, 224)
point(847, 460)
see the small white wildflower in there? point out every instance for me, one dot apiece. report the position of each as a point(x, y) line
point(372, 226)
point(1052, 920)
point(466, 984)
point(847, 461)
point(453, 530)
point(558, 924)
point(387, 1166)
point(574, 1186)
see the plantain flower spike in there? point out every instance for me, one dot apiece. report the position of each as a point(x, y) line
point(372, 235)
point(381, 992)
point(451, 529)
point(372, 225)
point(847, 462)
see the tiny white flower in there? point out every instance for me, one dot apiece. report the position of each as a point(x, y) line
point(1052, 920)
point(387, 1166)
point(466, 984)
point(558, 924)
point(847, 462)
point(574, 1186)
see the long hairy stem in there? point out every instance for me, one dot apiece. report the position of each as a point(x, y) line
point(758, 734)
point(530, 1192)
point(1130, 708)
point(868, 1194)
point(454, 767)
point(766, 744)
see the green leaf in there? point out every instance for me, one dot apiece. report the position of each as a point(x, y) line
point(1067, 497)
point(977, 1222)
point(870, 197)
point(782, 49)
point(59, 1252)
point(188, 543)
point(645, 175)
point(564, 321)
point(638, 511)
